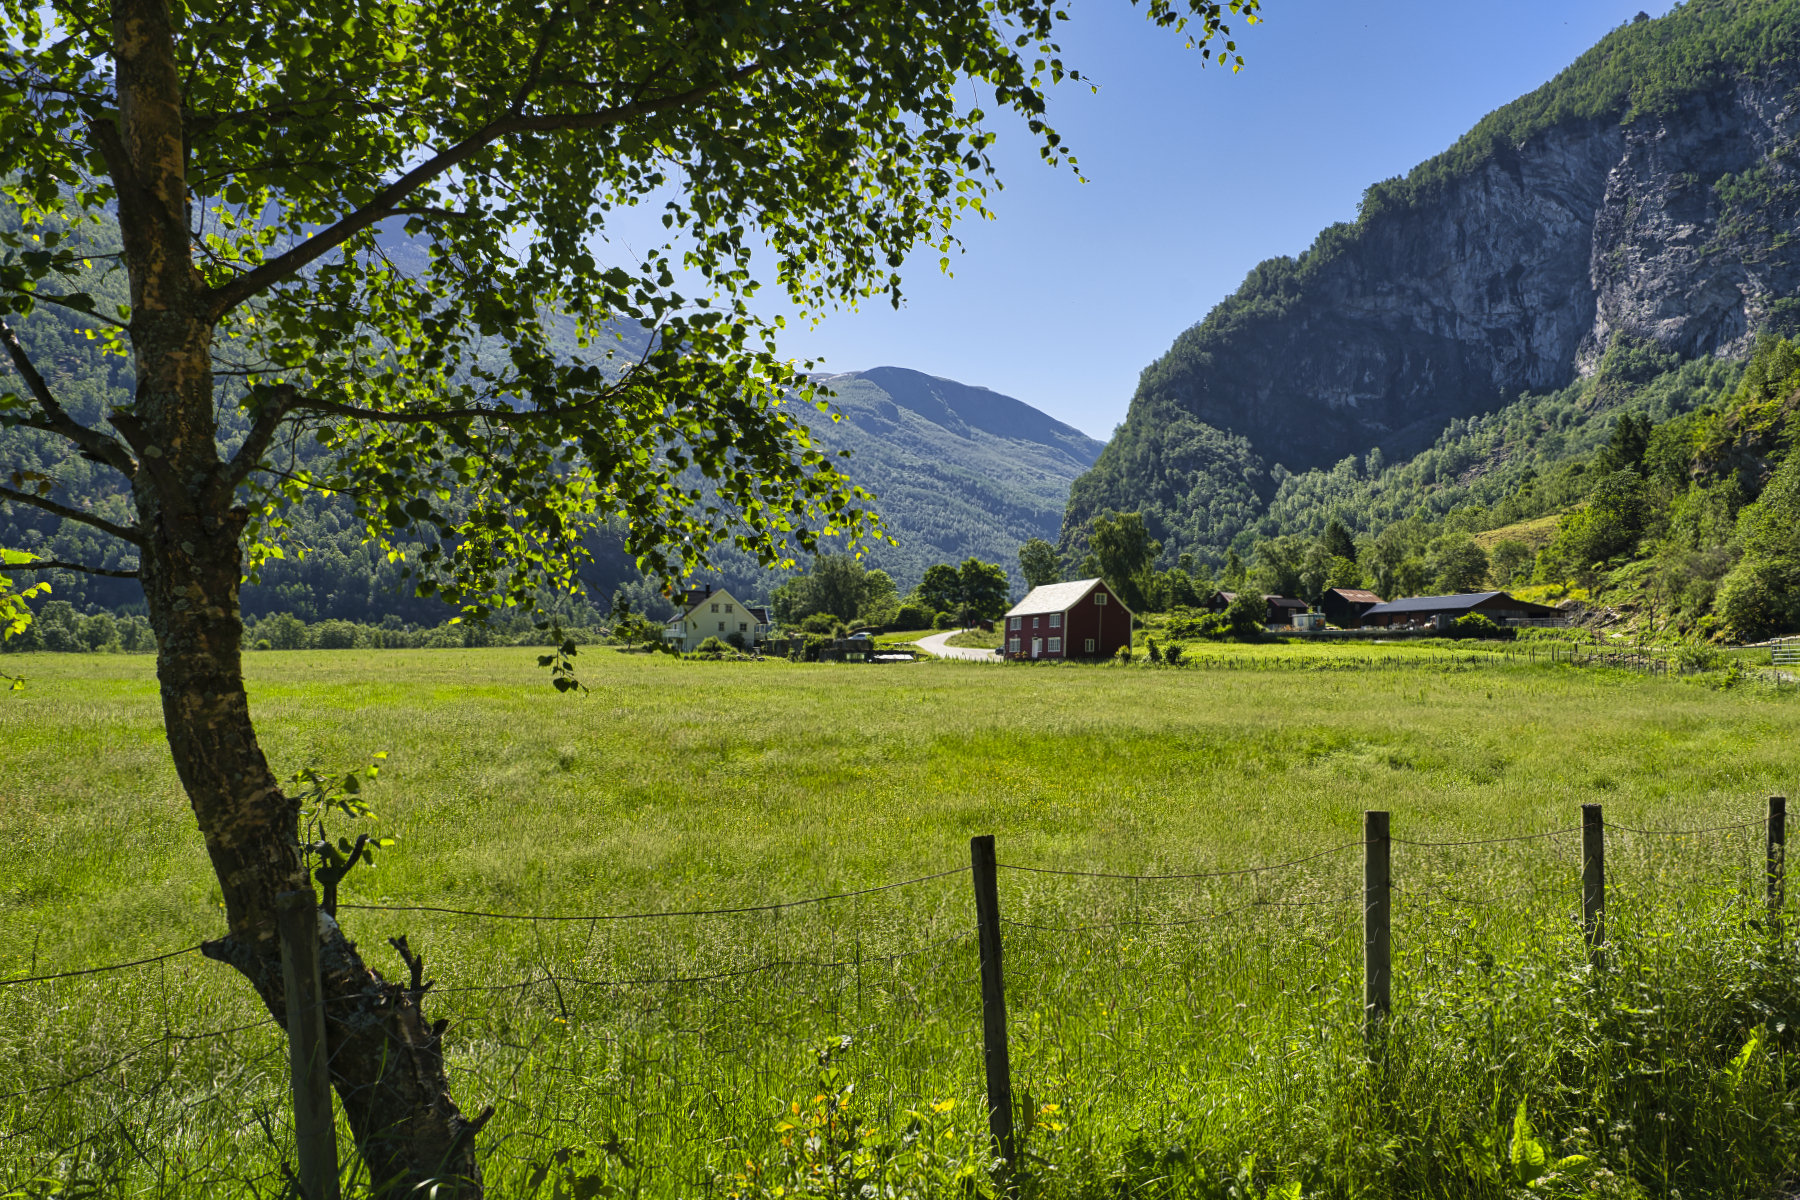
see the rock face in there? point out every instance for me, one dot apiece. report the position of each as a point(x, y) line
point(1514, 275)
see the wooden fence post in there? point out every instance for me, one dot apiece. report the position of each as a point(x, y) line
point(1377, 963)
point(315, 1134)
point(1777, 831)
point(1593, 883)
point(993, 997)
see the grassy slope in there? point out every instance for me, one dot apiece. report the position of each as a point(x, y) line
point(680, 783)
point(686, 784)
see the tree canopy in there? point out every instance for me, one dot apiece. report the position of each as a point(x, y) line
point(357, 227)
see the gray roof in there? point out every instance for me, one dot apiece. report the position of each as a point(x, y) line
point(1436, 603)
point(1055, 597)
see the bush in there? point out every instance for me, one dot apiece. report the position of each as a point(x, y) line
point(943, 621)
point(1246, 616)
point(1477, 626)
point(736, 641)
point(1172, 656)
point(1760, 598)
point(283, 631)
point(1150, 648)
point(912, 616)
point(334, 635)
point(713, 646)
point(1122, 656)
point(819, 623)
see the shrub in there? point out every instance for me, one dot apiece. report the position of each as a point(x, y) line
point(283, 631)
point(736, 640)
point(1151, 650)
point(1245, 617)
point(1172, 656)
point(819, 623)
point(1760, 597)
point(1477, 626)
point(334, 635)
point(262, 644)
point(1122, 655)
point(713, 646)
point(912, 616)
point(98, 632)
point(943, 621)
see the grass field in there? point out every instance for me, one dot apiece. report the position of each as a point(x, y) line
point(1165, 1031)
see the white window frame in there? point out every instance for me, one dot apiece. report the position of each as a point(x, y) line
point(728, 608)
point(1055, 646)
point(1056, 620)
point(1090, 645)
point(715, 608)
point(1099, 597)
point(1012, 645)
point(1015, 622)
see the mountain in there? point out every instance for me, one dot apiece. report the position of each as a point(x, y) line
point(1648, 193)
point(960, 471)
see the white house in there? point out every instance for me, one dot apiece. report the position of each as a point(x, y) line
point(714, 612)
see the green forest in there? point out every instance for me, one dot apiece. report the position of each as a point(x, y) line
point(1666, 490)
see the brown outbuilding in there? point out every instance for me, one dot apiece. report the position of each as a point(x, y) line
point(1497, 607)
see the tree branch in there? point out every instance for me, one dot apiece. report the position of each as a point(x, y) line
point(97, 444)
point(537, 59)
point(269, 415)
point(130, 534)
point(61, 302)
point(383, 204)
point(52, 565)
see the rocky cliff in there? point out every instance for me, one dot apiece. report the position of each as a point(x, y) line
point(1649, 192)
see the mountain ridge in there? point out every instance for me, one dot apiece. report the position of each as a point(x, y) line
point(1656, 205)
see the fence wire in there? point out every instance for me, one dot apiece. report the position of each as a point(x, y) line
point(669, 1046)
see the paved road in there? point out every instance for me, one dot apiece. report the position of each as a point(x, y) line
point(935, 645)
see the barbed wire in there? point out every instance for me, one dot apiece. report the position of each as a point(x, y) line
point(137, 962)
point(1680, 832)
point(1185, 875)
point(734, 973)
point(1215, 915)
point(1523, 837)
point(649, 916)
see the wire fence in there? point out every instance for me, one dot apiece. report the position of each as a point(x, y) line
point(662, 1052)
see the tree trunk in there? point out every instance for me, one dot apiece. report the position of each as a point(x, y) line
point(386, 1062)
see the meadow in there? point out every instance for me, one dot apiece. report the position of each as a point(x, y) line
point(1174, 1036)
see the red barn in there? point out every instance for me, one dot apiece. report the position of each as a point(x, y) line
point(1083, 619)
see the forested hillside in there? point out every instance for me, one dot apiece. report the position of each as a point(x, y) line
point(1640, 204)
point(1667, 491)
point(959, 472)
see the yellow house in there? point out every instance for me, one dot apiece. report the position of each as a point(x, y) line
point(715, 612)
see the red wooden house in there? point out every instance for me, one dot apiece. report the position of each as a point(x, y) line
point(1082, 619)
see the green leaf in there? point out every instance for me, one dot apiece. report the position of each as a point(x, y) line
point(1529, 1160)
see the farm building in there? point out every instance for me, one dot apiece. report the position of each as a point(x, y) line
point(1497, 607)
point(1083, 619)
point(1281, 609)
point(1344, 607)
point(715, 612)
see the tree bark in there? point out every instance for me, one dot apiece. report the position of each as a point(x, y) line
point(386, 1062)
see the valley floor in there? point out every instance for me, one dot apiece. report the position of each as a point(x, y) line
point(1164, 1014)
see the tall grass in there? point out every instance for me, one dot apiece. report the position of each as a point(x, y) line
point(1171, 1037)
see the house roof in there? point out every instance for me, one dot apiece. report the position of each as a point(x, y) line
point(1467, 600)
point(1056, 597)
point(1356, 595)
point(697, 597)
point(1285, 602)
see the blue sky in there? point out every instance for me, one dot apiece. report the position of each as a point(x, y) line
point(1194, 176)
